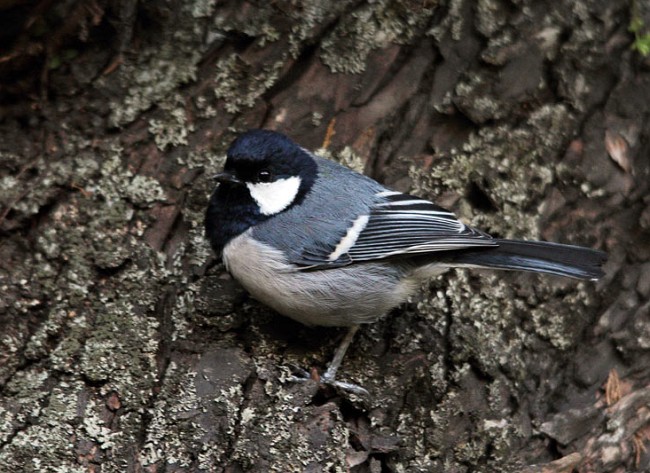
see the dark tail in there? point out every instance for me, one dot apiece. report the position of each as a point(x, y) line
point(538, 256)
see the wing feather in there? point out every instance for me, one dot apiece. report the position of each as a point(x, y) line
point(397, 224)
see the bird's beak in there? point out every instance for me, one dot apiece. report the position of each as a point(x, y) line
point(226, 177)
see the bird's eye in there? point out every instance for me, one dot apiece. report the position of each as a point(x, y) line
point(264, 176)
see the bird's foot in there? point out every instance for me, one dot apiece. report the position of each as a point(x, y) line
point(329, 377)
point(301, 376)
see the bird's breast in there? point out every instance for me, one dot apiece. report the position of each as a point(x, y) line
point(344, 296)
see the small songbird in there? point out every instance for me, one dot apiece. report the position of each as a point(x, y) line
point(328, 246)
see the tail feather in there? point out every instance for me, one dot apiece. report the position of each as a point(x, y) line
point(538, 256)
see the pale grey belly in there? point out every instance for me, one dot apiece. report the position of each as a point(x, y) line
point(336, 297)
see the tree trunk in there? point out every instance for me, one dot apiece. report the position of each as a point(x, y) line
point(124, 344)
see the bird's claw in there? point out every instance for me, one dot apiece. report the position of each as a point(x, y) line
point(347, 387)
point(301, 375)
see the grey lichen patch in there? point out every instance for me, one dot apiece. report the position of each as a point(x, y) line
point(201, 8)
point(207, 411)
point(485, 325)
point(343, 55)
point(370, 27)
point(160, 67)
point(454, 22)
point(174, 433)
point(125, 363)
point(192, 309)
point(59, 318)
point(287, 438)
point(205, 107)
point(491, 325)
point(154, 79)
point(96, 330)
point(549, 320)
point(144, 190)
point(347, 157)
point(505, 163)
point(418, 424)
point(8, 189)
point(503, 438)
point(316, 118)
point(500, 48)
point(171, 129)
point(581, 85)
point(209, 160)
point(27, 393)
point(26, 197)
point(46, 446)
point(62, 357)
point(260, 26)
point(239, 85)
point(336, 457)
point(119, 186)
point(183, 311)
point(491, 15)
point(306, 18)
point(475, 97)
point(436, 441)
point(95, 428)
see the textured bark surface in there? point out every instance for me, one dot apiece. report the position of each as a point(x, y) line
point(124, 345)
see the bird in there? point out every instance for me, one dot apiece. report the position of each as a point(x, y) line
point(328, 246)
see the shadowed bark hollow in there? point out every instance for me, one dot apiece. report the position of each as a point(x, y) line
point(124, 344)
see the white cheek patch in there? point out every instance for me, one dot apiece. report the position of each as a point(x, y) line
point(274, 197)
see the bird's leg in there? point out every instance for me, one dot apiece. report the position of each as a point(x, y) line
point(333, 367)
point(329, 377)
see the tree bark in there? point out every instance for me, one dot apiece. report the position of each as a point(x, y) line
point(124, 344)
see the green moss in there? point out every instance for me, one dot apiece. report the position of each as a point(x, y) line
point(640, 29)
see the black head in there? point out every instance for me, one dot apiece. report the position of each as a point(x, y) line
point(265, 173)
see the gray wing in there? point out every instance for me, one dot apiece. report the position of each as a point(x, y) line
point(396, 224)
